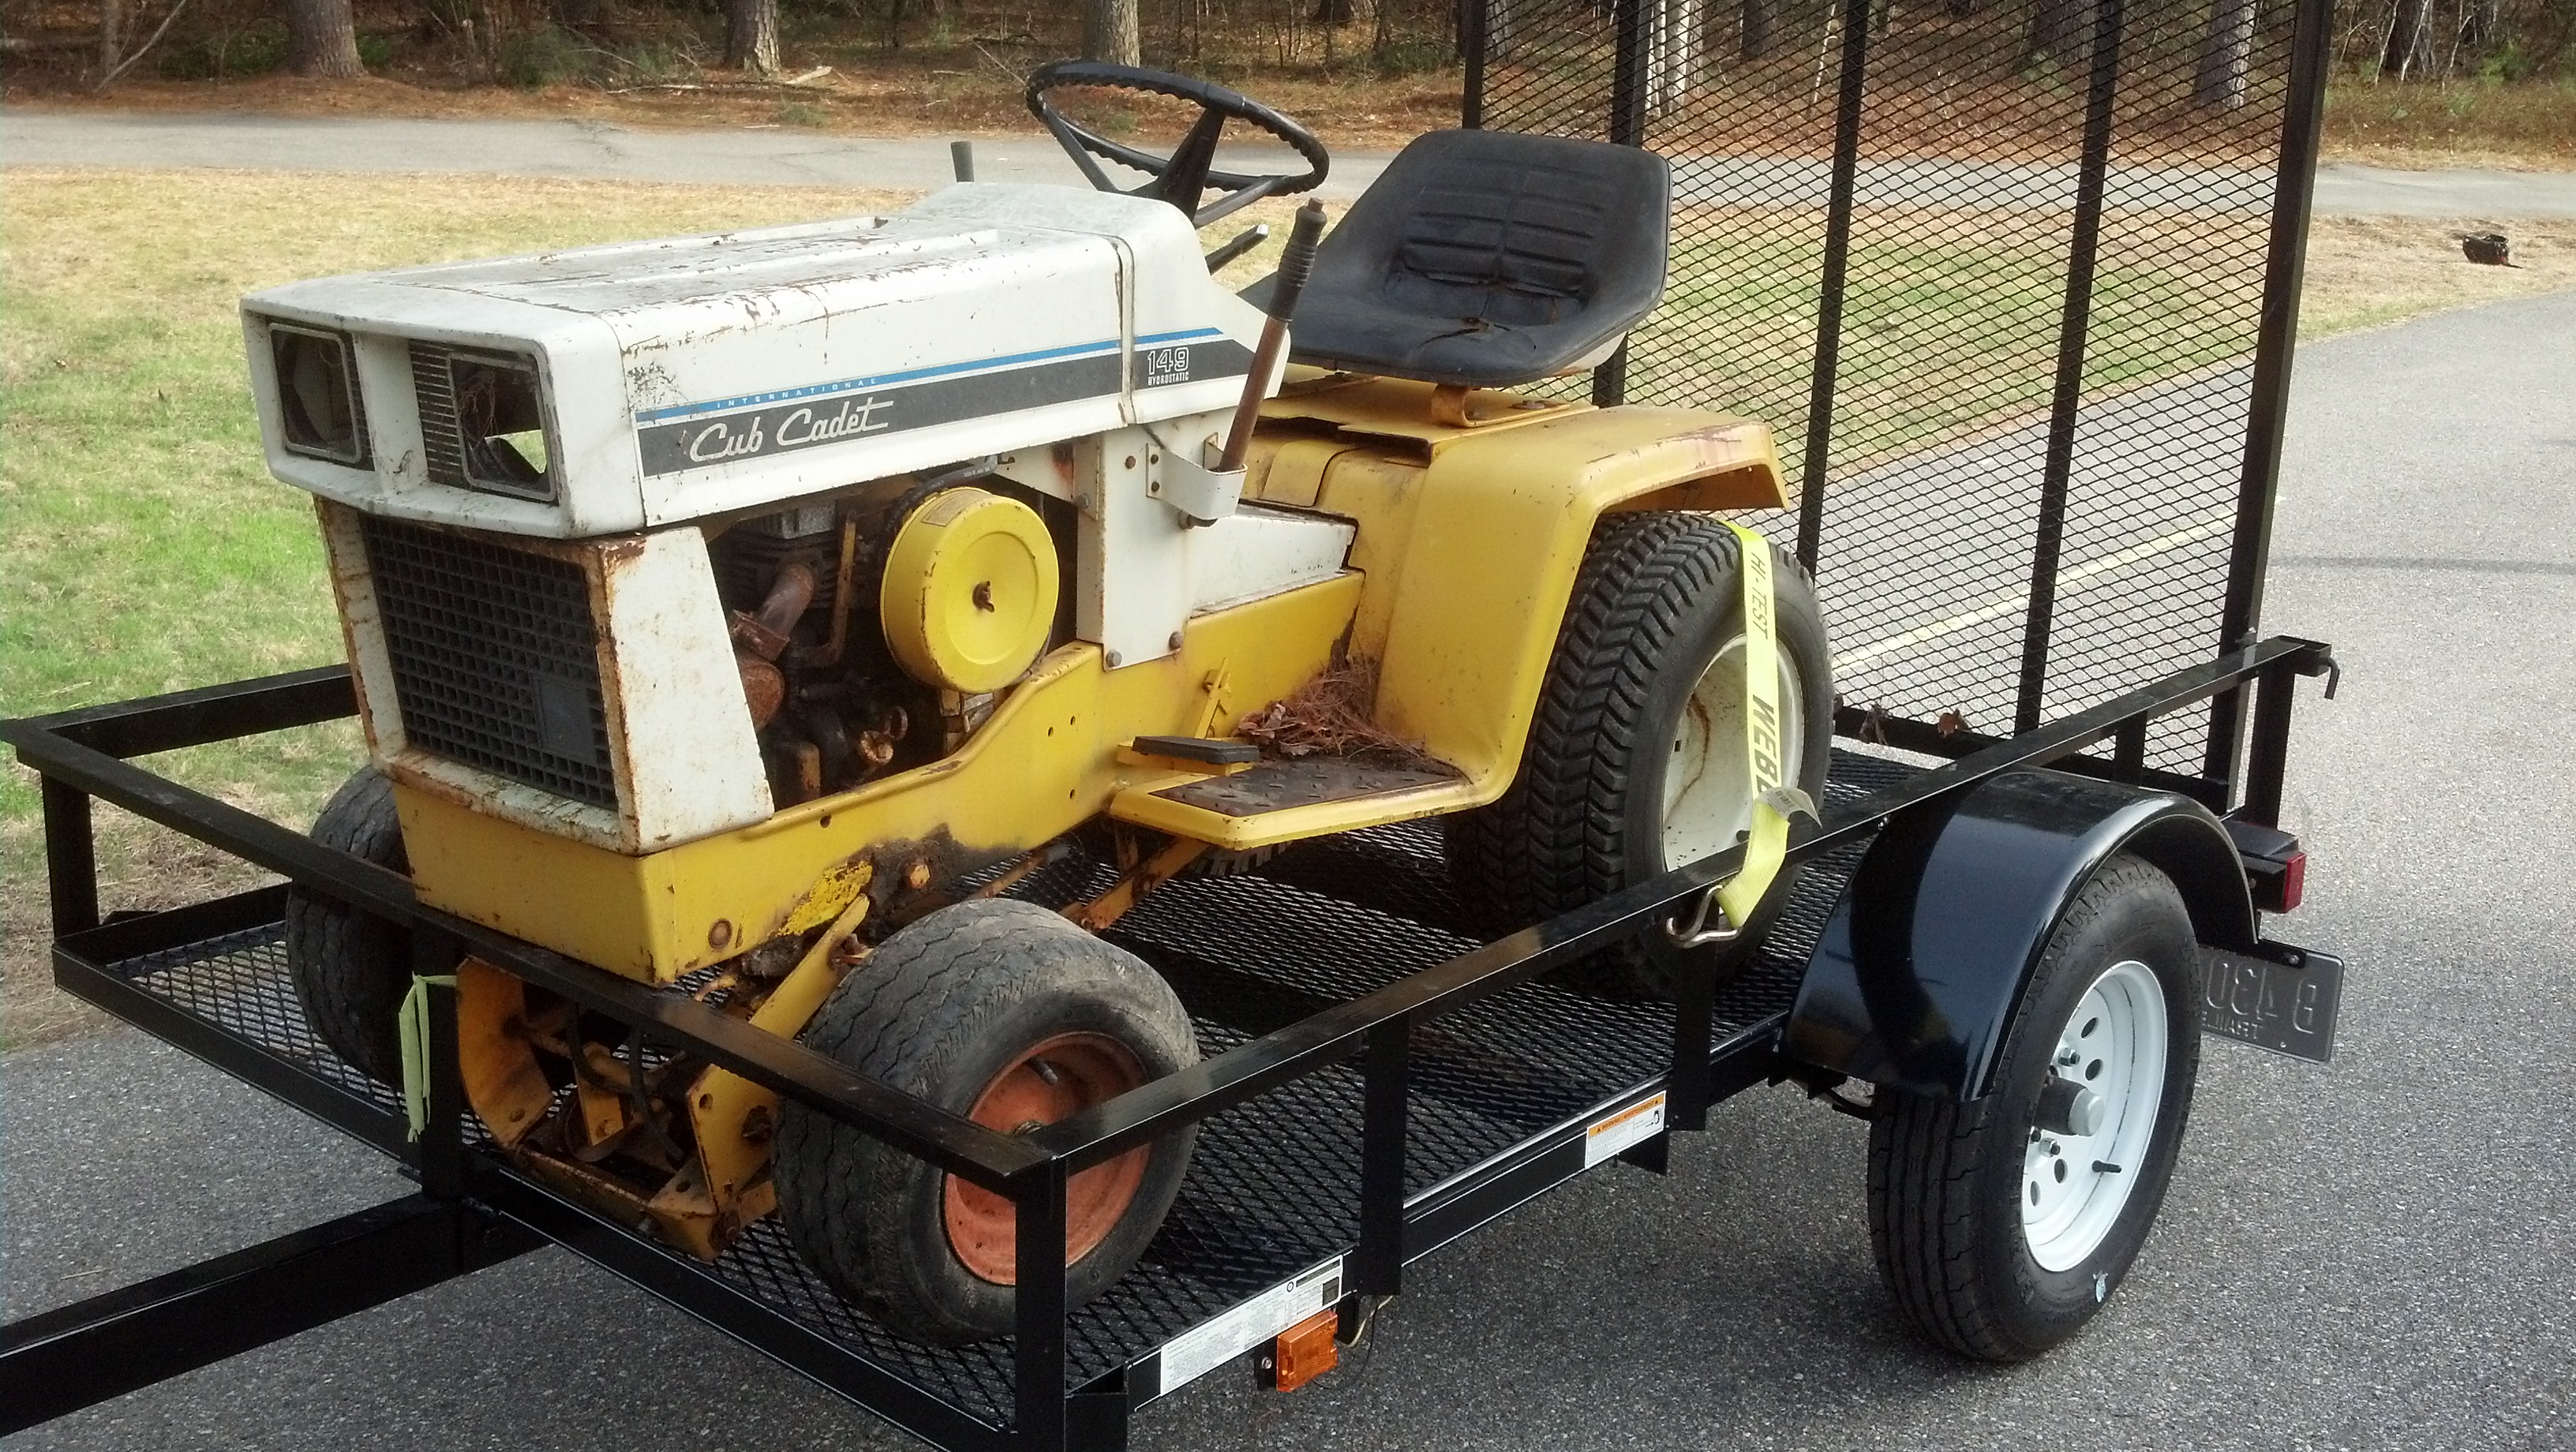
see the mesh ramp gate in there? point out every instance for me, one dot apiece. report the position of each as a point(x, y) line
point(2014, 283)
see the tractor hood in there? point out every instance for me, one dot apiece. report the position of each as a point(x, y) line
point(610, 389)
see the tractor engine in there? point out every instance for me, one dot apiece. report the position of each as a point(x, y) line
point(807, 594)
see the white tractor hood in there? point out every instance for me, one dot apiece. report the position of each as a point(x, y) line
point(700, 376)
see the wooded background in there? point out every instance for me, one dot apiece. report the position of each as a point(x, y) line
point(625, 43)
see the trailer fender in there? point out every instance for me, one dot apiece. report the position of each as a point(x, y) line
point(1914, 982)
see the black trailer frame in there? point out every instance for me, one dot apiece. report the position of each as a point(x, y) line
point(1377, 1060)
point(190, 976)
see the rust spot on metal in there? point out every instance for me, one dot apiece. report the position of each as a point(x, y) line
point(720, 936)
point(764, 687)
point(1132, 886)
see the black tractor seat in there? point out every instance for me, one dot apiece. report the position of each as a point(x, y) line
point(1487, 259)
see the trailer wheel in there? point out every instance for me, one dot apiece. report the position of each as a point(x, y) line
point(2000, 1227)
point(1633, 763)
point(351, 970)
point(1008, 1014)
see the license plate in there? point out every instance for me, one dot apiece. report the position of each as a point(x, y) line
point(2279, 998)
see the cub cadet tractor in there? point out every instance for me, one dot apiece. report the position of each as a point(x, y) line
point(778, 616)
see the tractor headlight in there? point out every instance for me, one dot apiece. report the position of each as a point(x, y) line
point(319, 409)
point(483, 421)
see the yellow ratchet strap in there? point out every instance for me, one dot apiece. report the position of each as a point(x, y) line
point(412, 1026)
point(1766, 847)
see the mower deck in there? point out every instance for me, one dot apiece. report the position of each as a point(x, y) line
point(1502, 1094)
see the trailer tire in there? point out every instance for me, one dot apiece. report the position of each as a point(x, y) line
point(1658, 600)
point(1992, 1246)
point(351, 969)
point(996, 1010)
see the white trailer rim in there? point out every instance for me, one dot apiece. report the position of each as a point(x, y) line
point(1707, 799)
point(2074, 1186)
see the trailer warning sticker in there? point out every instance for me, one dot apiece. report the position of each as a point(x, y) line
point(1614, 1132)
point(1193, 1353)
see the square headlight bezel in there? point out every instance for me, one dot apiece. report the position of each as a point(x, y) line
point(358, 453)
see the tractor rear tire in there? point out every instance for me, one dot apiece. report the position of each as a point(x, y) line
point(1010, 1015)
point(1658, 601)
point(1998, 1236)
point(352, 970)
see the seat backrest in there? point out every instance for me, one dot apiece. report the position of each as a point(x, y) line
point(1489, 258)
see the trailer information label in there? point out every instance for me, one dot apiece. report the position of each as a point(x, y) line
point(1635, 1124)
point(1192, 1353)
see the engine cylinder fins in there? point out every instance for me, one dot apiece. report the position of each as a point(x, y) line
point(969, 593)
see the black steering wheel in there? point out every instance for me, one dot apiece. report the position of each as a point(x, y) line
point(1189, 173)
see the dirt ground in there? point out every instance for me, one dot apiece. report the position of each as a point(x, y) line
point(145, 867)
point(1378, 115)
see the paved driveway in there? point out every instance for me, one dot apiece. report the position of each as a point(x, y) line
point(2376, 1254)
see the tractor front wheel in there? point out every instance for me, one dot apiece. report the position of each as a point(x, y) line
point(1013, 1017)
point(351, 970)
point(1635, 761)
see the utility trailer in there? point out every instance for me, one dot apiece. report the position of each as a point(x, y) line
point(1377, 1081)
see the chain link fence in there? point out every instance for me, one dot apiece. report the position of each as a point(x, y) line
point(2016, 286)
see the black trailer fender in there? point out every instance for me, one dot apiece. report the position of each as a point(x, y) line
point(1914, 982)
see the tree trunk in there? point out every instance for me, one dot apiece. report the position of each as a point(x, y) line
point(2409, 39)
point(322, 39)
point(1672, 56)
point(1109, 32)
point(2062, 31)
point(1753, 19)
point(111, 35)
point(751, 36)
point(1334, 12)
point(2224, 54)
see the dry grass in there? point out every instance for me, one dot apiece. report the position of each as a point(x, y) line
point(2367, 271)
point(2463, 123)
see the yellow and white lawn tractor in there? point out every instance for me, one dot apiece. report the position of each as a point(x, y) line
point(753, 615)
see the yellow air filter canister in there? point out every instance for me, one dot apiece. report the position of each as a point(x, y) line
point(969, 592)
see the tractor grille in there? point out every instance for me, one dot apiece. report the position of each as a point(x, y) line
point(442, 443)
point(495, 658)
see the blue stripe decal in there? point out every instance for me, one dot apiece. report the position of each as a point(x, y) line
point(911, 375)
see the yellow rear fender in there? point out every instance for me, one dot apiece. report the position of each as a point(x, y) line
point(1479, 556)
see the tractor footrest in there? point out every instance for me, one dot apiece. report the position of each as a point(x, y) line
point(1286, 801)
point(1277, 785)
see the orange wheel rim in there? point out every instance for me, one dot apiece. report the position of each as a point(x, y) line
point(1052, 1080)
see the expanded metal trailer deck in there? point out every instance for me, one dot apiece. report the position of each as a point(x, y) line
point(1378, 1083)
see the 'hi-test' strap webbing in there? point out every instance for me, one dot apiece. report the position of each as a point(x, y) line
point(1768, 844)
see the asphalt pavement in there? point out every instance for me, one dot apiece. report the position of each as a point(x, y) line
point(789, 156)
point(2372, 1254)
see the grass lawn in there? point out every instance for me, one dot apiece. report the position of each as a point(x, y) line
point(145, 548)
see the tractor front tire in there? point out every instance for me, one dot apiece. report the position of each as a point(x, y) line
point(2000, 1234)
point(1011, 1016)
point(351, 970)
point(1639, 685)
